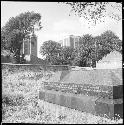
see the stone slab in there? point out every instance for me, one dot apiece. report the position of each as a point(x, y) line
point(50, 97)
point(89, 104)
point(113, 92)
point(42, 95)
point(118, 91)
point(98, 82)
point(109, 107)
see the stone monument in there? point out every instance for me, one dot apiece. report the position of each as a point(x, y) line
point(96, 91)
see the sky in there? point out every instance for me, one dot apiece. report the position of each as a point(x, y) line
point(56, 21)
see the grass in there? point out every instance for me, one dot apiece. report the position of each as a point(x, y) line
point(21, 104)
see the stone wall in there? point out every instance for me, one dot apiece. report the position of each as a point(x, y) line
point(32, 67)
point(111, 92)
point(84, 103)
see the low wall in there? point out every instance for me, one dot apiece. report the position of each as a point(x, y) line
point(89, 104)
point(32, 67)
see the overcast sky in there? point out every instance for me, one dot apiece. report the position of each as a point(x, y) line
point(56, 21)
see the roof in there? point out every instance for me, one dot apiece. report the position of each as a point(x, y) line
point(112, 56)
point(111, 60)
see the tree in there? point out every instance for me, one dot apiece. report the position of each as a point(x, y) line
point(90, 50)
point(93, 49)
point(17, 29)
point(66, 55)
point(51, 50)
point(85, 53)
point(55, 54)
point(106, 43)
point(111, 41)
point(94, 11)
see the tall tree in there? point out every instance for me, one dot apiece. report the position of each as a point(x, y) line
point(17, 29)
point(85, 53)
point(107, 42)
point(51, 50)
point(66, 55)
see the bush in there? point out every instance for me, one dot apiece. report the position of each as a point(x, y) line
point(13, 100)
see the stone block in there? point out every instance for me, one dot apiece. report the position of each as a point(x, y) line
point(90, 104)
point(118, 109)
point(109, 107)
point(50, 96)
point(42, 95)
point(79, 104)
point(57, 101)
point(62, 100)
point(68, 101)
point(73, 102)
point(118, 92)
point(99, 92)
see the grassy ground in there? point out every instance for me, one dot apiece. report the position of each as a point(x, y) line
point(21, 104)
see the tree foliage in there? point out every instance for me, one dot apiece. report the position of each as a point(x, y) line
point(94, 11)
point(85, 53)
point(55, 54)
point(51, 50)
point(93, 49)
point(90, 50)
point(17, 29)
point(66, 55)
point(106, 43)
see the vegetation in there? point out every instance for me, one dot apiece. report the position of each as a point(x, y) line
point(85, 53)
point(51, 50)
point(21, 103)
point(95, 11)
point(67, 55)
point(90, 50)
point(17, 29)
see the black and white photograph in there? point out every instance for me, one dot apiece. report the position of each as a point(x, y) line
point(61, 62)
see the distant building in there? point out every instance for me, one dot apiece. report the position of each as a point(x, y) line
point(70, 41)
point(112, 60)
point(29, 49)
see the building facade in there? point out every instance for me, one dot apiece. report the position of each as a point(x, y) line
point(70, 41)
point(29, 47)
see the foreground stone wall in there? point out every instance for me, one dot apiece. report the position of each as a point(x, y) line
point(101, 83)
point(84, 103)
point(98, 91)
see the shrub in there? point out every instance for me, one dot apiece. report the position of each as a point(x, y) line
point(13, 100)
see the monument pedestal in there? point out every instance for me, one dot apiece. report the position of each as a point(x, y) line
point(90, 104)
point(99, 92)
